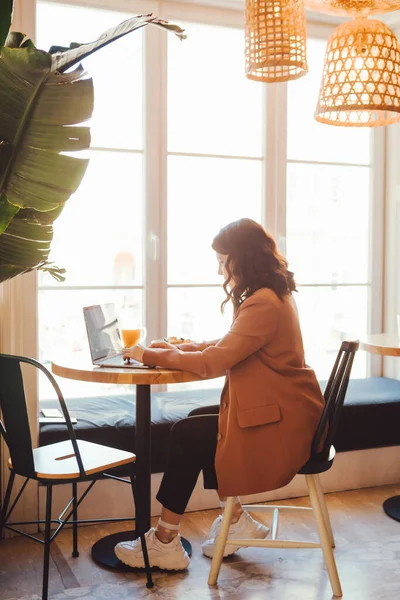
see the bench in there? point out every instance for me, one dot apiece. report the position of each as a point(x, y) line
point(370, 418)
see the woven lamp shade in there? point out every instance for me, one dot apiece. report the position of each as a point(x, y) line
point(361, 79)
point(356, 8)
point(275, 40)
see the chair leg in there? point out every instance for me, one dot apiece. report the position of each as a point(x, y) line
point(147, 566)
point(46, 559)
point(324, 537)
point(221, 541)
point(149, 583)
point(3, 512)
point(75, 551)
point(324, 509)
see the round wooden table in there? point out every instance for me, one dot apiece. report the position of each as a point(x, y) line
point(80, 368)
point(385, 344)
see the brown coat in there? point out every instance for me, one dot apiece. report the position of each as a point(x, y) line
point(271, 402)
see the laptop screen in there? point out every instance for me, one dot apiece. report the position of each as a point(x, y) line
point(102, 330)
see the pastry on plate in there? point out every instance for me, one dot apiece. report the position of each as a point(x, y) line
point(176, 340)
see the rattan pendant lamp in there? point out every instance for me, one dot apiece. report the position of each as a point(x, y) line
point(361, 79)
point(275, 40)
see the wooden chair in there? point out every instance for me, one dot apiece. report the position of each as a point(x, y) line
point(320, 461)
point(70, 461)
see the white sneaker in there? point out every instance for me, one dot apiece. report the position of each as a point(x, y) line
point(245, 528)
point(171, 556)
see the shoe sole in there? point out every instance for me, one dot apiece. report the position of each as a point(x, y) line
point(140, 563)
point(208, 551)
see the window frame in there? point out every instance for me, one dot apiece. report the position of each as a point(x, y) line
point(274, 126)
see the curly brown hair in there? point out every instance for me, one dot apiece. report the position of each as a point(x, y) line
point(254, 262)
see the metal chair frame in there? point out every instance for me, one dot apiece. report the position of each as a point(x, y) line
point(16, 420)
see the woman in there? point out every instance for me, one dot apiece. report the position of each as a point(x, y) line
point(270, 405)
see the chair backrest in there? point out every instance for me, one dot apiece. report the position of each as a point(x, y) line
point(15, 428)
point(334, 395)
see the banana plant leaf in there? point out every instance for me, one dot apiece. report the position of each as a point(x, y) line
point(68, 57)
point(42, 107)
point(5, 19)
point(39, 113)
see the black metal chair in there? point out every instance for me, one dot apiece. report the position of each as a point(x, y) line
point(70, 461)
point(322, 456)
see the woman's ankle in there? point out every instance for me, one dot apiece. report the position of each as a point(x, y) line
point(166, 532)
point(237, 513)
point(165, 536)
point(237, 509)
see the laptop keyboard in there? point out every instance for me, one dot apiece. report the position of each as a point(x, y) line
point(119, 361)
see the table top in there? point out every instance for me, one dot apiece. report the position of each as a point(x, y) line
point(80, 367)
point(385, 344)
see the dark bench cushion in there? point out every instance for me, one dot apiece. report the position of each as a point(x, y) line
point(110, 420)
point(371, 415)
point(370, 418)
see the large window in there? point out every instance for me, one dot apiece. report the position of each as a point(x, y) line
point(328, 217)
point(215, 149)
point(209, 137)
point(214, 169)
point(99, 236)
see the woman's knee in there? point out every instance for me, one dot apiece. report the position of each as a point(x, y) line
point(194, 429)
point(182, 429)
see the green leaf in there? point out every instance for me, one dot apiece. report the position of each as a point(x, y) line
point(5, 19)
point(28, 44)
point(7, 212)
point(64, 60)
point(10, 271)
point(57, 137)
point(22, 248)
point(43, 218)
point(40, 112)
point(55, 272)
point(14, 39)
point(43, 179)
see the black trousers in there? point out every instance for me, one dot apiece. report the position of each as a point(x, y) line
point(192, 446)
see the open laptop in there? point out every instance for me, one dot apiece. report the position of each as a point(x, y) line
point(104, 340)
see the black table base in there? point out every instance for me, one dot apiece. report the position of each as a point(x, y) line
point(103, 551)
point(391, 506)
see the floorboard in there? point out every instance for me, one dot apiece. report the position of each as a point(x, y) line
point(367, 554)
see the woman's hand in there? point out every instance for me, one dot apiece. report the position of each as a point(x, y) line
point(192, 347)
point(162, 344)
point(135, 352)
point(185, 347)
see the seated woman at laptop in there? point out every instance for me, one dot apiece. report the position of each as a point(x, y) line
point(270, 405)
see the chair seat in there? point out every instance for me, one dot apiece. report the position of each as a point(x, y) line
point(57, 461)
point(318, 463)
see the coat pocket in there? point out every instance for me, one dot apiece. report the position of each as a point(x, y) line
point(260, 415)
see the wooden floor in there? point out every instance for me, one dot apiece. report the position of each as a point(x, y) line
point(367, 554)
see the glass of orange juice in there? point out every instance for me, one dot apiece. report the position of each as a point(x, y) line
point(130, 330)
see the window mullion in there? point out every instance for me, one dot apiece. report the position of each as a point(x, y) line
point(281, 166)
point(155, 179)
point(274, 201)
point(376, 243)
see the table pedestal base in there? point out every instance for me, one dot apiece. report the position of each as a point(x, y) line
point(391, 506)
point(103, 551)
